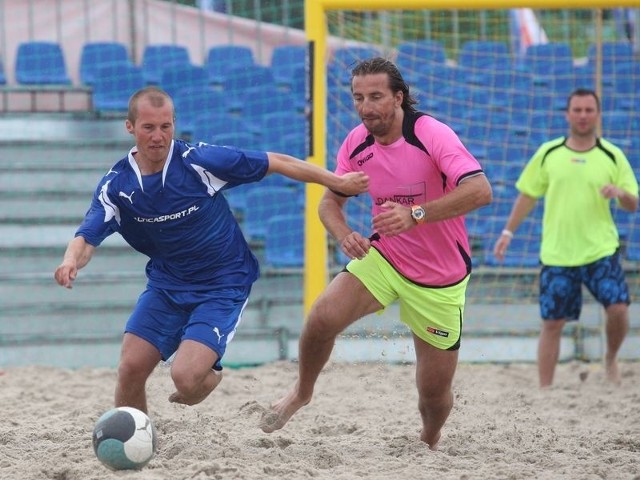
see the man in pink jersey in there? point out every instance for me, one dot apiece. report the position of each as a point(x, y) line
point(422, 180)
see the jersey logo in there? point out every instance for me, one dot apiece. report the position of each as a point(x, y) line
point(110, 172)
point(184, 155)
point(128, 197)
point(217, 332)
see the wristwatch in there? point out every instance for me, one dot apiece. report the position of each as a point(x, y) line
point(418, 214)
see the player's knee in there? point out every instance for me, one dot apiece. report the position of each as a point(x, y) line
point(131, 371)
point(187, 383)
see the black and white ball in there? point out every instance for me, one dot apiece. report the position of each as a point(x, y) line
point(124, 438)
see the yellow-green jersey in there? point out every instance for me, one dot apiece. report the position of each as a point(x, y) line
point(577, 226)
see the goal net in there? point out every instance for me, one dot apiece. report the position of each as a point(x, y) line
point(500, 78)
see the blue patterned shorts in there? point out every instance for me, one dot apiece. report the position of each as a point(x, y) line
point(561, 292)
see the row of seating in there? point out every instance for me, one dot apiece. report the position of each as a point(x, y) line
point(485, 63)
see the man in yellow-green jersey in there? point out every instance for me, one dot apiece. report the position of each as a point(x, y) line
point(578, 176)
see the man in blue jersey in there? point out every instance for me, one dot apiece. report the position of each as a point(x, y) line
point(165, 199)
point(578, 176)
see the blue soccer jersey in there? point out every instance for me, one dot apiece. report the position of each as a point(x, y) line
point(178, 217)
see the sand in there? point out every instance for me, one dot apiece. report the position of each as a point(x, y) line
point(362, 424)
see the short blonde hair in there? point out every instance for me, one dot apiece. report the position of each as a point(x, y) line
point(157, 97)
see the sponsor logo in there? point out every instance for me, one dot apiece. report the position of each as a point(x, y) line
point(435, 331)
point(217, 332)
point(401, 199)
point(171, 216)
point(364, 160)
point(128, 197)
point(578, 160)
point(184, 155)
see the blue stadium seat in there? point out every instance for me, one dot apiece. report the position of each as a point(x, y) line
point(95, 54)
point(614, 54)
point(266, 202)
point(625, 221)
point(186, 77)
point(114, 84)
point(548, 58)
point(284, 242)
point(413, 55)
point(239, 79)
point(484, 54)
point(41, 63)
point(278, 125)
point(207, 125)
point(286, 61)
point(192, 102)
point(3, 79)
point(292, 144)
point(345, 58)
point(620, 124)
point(632, 247)
point(241, 140)
point(221, 58)
point(261, 100)
point(155, 58)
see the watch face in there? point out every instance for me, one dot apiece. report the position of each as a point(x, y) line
point(418, 213)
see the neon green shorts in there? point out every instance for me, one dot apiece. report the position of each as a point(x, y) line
point(434, 314)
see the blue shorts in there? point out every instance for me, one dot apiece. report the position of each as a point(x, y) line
point(164, 318)
point(561, 287)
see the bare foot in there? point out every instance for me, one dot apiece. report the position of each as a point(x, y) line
point(613, 372)
point(279, 414)
point(432, 443)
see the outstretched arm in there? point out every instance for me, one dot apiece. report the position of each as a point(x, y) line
point(348, 184)
point(77, 255)
point(521, 208)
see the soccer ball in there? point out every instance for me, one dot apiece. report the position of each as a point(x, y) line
point(124, 438)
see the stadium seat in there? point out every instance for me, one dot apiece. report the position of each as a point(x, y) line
point(240, 140)
point(413, 55)
point(262, 99)
point(155, 58)
point(620, 127)
point(286, 61)
point(614, 54)
point(186, 77)
point(114, 84)
point(207, 125)
point(3, 78)
point(41, 63)
point(191, 102)
point(285, 132)
point(292, 144)
point(95, 54)
point(221, 58)
point(284, 241)
point(345, 58)
point(548, 58)
point(632, 247)
point(266, 202)
point(239, 79)
point(484, 54)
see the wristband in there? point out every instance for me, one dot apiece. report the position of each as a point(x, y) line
point(507, 233)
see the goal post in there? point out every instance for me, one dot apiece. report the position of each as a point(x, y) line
point(317, 261)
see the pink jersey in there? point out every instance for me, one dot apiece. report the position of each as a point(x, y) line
point(425, 164)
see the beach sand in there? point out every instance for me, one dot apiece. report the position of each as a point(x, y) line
point(362, 424)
